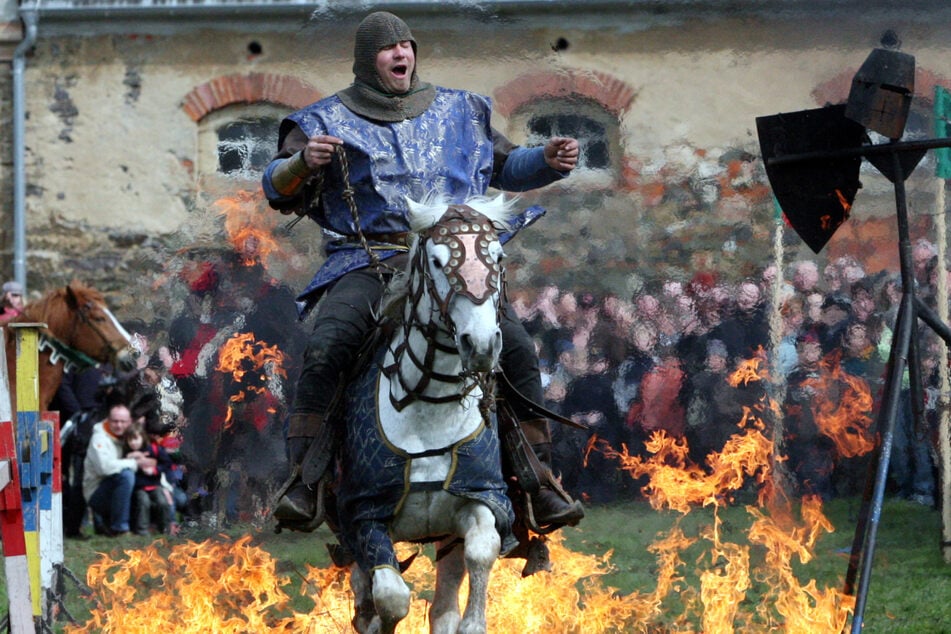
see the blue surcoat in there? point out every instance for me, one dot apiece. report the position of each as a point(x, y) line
point(446, 151)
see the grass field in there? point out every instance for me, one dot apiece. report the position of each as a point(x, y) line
point(910, 589)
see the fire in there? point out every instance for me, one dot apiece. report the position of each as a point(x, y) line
point(707, 580)
point(843, 413)
point(728, 571)
point(846, 205)
point(224, 586)
point(247, 228)
point(253, 366)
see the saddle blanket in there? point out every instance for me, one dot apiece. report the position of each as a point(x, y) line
point(375, 478)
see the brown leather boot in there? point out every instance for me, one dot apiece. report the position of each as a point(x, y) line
point(300, 500)
point(551, 504)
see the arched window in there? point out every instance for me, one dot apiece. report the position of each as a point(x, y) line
point(238, 141)
point(586, 120)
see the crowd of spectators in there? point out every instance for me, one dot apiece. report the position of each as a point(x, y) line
point(662, 360)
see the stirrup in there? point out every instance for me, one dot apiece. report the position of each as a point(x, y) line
point(291, 516)
point(573, 513)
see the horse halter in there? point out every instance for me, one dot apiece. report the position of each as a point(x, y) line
point(470, 270)
point(83, 310)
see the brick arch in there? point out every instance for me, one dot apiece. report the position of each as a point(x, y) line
point(248, 88)
point(613, 94)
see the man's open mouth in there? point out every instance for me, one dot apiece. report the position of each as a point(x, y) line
point(399, 70)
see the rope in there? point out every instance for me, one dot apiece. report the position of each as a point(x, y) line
point(348, 195)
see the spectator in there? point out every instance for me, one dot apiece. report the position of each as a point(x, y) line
point(911, 467)
point(588, 401)
point(811, 453)
point(860, 357)
point(793, 317)
point(805, 277)
point(627, 382)
point(109, 473)
point(712, 410)
point(836, 313)
point(151, 502)
point(12, 304)
point(658, 406)
point(746, 331)
point(80, 401)
point(863, 299)
point(861, 361)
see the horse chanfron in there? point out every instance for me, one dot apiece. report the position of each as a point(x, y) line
point(465, 265)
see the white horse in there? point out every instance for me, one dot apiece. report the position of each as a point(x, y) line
point(430, 467)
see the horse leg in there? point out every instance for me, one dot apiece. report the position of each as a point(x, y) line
point(450, 569)
point(365, 620)
point(391, 597)
point(476, 524)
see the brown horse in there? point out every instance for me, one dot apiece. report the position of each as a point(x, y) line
point(80, 330)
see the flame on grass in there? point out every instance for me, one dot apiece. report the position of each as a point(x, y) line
point(225, 586)
point(730, 572)
point(736, 580)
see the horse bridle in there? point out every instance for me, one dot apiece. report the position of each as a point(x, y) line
point(460, 229)
point(83, 312)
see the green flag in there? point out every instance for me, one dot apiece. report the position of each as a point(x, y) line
point(942, 110)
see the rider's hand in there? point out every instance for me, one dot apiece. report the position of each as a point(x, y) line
point(320, 149)
point(561, 153)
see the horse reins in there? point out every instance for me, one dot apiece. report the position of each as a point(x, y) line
point(458, 285)
point(462, 222)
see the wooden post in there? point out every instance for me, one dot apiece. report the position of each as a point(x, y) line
point(30, 447)
point(16, 566)
point(944, 403)
point(942, 105)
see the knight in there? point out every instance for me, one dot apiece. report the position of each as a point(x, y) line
point(402, 138)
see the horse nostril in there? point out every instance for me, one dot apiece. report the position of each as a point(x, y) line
point(465, 344)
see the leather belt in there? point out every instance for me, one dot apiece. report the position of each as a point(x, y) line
point(398, 239)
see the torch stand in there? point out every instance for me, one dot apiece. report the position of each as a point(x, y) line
point(896, 160)
point(904, 355)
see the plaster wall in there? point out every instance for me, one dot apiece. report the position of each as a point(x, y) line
point(116, 185)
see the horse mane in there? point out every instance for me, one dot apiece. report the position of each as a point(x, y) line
point(425, 215)
point(53, 308)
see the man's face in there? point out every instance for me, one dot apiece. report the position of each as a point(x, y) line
point(395, 65)
point(14, 299)
point(119, 420)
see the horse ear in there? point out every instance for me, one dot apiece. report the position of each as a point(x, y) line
point(71, 300)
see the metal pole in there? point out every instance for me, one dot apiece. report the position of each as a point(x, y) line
point(901, 343)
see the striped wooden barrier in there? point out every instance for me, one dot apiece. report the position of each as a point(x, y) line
point(12, 524)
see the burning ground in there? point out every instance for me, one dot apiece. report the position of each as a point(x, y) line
point(730, 560)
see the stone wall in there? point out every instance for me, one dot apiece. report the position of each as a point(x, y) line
point(120, 195)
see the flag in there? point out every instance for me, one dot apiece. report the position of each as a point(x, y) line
point(942, 110)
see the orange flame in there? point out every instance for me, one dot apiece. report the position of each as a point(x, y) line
point(842, 413)
point(246, 226)
point(846, 205)
point(235, 588)
point(242, 356)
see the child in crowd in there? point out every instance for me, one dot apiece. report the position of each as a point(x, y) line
point(151, 502)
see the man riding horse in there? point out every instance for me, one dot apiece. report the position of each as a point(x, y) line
point(402, 138)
